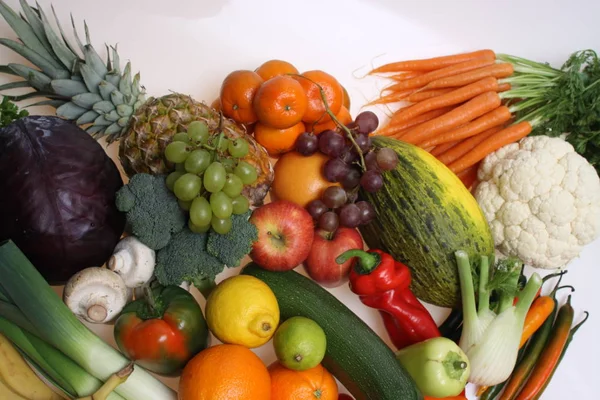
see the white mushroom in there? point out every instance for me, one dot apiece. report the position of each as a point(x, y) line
point(133, 261)
point(96, 295)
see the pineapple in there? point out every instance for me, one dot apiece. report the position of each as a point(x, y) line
point(109, 102)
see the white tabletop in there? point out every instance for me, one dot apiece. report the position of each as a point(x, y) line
point(189, 46)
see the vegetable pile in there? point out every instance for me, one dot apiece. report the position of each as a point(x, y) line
point(490, 167)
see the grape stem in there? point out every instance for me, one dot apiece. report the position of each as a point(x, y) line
point(343, 127)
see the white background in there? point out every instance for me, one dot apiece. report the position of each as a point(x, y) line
point(189, 46)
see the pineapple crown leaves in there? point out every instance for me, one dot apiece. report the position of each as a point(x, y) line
point(74, 79)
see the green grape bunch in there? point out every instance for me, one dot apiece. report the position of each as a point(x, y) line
point(209, 177)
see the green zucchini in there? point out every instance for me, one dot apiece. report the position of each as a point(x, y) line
point(355, 355)
point(424, 214)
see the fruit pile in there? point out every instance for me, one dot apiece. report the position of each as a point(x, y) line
point(209, 177)
point(278, 104)
point(243, 313)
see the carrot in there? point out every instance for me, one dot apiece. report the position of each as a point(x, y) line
point(427, 94)
point(497, 116)
point(539, 311)
point(405, 75)
point(501, 70)
point(474, 108)
point(469, 176)
point(437, 150)
point(425, 79)
point(390, 130)
point(503, 87)
point(464, 146)
point(494, 142)
point(454, 97)
point(433, 63)
point(391, 98)
point(551, 354)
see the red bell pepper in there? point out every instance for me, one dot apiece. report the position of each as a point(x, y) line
point(383, 283)
point(163, 330)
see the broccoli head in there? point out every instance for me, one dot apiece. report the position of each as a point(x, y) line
point(198, 258)
point(236, 244)
point(185, 259)
point(152, 212)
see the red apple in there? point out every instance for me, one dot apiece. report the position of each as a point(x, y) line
point(285, 234)
point(326, 247)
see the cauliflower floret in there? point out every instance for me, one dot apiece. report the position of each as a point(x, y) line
point(542, 200)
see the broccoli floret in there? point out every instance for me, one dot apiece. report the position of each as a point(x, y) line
point(185, 259)
point(236, 244)
point(153, 214)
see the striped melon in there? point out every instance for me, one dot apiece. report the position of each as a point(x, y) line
point(425, 214)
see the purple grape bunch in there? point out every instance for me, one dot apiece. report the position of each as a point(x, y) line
point(338, 206)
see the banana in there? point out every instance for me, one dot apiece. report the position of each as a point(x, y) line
point(18, 378)
point(7, 394)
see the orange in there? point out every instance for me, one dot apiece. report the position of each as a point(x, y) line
point(273, 68)
point(343, 116)
point(334, 94)
point(346, 101)
point(225, 372)
point(277, 141)
point(298, 178)
point(237, 93)
point(280, 102)
point(312, 384)
point(216, 104)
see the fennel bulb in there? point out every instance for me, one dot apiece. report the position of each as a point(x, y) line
point(491, 340)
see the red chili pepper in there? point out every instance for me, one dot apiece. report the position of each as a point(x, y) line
point(383, 283)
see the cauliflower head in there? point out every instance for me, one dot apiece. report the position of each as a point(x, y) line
point(541, 199)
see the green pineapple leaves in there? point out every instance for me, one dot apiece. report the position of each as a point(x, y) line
point(73, 77)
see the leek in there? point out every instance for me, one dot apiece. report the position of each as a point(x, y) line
point(57, 326)
point(54, 365)
point(491, 340)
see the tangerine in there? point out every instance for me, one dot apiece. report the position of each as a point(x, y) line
point(280, 102)
point(334, 94)
point(311, 384)
point(237, 94)
point(298, 178)
point(225, 372)
point(346, 101)
point(277, 141)
point(343, 116)
point(216, 104)
point(273, 68)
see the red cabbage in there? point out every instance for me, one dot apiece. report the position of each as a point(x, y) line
point(57, 196)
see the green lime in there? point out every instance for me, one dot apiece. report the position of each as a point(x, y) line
point(300, 343)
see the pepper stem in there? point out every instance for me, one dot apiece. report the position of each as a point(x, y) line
point(366, 263)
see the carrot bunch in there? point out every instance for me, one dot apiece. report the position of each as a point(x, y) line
point(454, 107)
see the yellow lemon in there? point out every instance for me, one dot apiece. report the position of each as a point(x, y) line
point(242, 310)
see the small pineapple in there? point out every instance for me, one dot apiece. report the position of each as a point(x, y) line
point(108, 102)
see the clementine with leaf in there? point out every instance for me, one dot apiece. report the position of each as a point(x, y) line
point(277, 141)
point(280, 102)
point(237, 95)
point(312, 82)
point(274, 68)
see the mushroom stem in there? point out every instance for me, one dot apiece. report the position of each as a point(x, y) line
point(121, 262)
point(97, 313)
